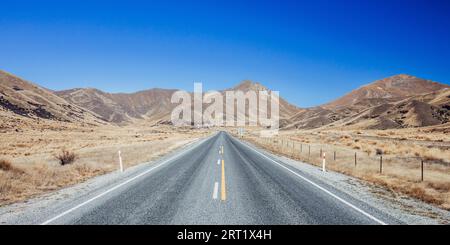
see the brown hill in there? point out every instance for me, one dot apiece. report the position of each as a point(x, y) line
point(287, 110)
point(153, 104)
point(416, 111)
point(25, 99)
point(396, 102)
point(396, 87)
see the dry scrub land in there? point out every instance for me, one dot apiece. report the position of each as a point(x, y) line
point(399, 151)
point(28, 166)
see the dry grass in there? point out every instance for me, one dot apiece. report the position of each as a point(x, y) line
point(37, 179)
point(401, 170)
point(34, 170)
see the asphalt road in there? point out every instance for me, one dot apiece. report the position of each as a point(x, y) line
point(220, 181)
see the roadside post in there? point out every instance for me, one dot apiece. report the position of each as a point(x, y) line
point(323, 163)
point(120, 162)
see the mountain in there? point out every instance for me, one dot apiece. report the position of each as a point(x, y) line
point(28, 100)
point(23, 99)
point(415, 111)
point(395, 87)
point(287, 110)
point(153, 104)
point(395, 102)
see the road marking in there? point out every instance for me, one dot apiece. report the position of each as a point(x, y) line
point(117, 186)
point(218, 161)
point(223, 195)
point(216, 190)
point(320, 188)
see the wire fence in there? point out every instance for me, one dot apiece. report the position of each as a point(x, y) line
point(347, 160)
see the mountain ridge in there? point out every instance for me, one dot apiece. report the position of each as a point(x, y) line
point(393, 102)
point(29, 100)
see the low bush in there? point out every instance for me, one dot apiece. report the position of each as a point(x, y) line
point(5, 165)
point(66, 157)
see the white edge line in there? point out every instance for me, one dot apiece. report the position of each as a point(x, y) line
point(115, 187)
point(216, 190)
point(321, 188)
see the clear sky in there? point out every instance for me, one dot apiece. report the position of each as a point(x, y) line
point(311, 51)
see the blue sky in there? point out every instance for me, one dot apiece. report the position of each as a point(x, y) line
point(311, 51)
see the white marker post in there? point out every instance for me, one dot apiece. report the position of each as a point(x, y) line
point(323, 163)
point(120, 162)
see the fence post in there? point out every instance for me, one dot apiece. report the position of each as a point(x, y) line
point(309, 151)
point(301, 148)
point(334, 157)
point(355, 159)
point(421, 166)
point(293, 148)
point(381, 164)
point(320, 152)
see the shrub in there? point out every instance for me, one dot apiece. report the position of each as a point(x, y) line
point(5, 165)
point(379, 151)
point(66, 157)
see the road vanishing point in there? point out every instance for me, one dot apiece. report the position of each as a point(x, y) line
point(219, 180)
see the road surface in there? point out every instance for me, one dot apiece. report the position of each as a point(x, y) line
point(221, 180)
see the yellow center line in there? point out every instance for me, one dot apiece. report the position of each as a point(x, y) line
point(223, 195)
